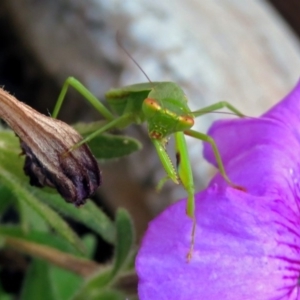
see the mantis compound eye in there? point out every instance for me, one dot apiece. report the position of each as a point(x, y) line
point(187, 121)
point(151, 106)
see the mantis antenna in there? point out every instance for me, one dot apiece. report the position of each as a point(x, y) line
point(130, 56)
point(119, 42)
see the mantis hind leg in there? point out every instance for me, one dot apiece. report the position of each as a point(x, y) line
point(210, 140)
point(113, 122)
point(217, 106)
point(185, 171)
point(80, 88)
point(185, 175)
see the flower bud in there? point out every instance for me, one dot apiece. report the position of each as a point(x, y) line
point(50, 157)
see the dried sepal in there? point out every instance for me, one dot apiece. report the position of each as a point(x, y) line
point(46, 143)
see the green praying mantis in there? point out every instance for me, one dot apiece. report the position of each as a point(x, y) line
point(164, 107)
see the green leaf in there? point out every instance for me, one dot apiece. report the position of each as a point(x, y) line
point(89, 214)
point(64, 283)
point(39, 237)
point(102, 280)
point(6, 198)
point(108, 146)
point(12, 176)
point(23, 194)
point(4, 295)
point(38, 285)
point(125, 240)
point(30, 219)
point(108, 295)
point(94, 285)
point(90, 242)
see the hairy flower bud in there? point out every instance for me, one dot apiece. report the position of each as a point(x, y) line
point(47, 144)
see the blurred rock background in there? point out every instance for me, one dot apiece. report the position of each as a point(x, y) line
point(244, 52)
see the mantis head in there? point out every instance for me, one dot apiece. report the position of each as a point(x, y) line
point(162, 120)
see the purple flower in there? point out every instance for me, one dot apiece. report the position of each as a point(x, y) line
point(247, 245)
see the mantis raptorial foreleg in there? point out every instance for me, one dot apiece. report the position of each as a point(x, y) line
point(166, 162)
point(184, 170)
point(114, 122)
point(186, 177)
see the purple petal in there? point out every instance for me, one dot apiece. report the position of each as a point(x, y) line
point(247, 245)
point(261, 154)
